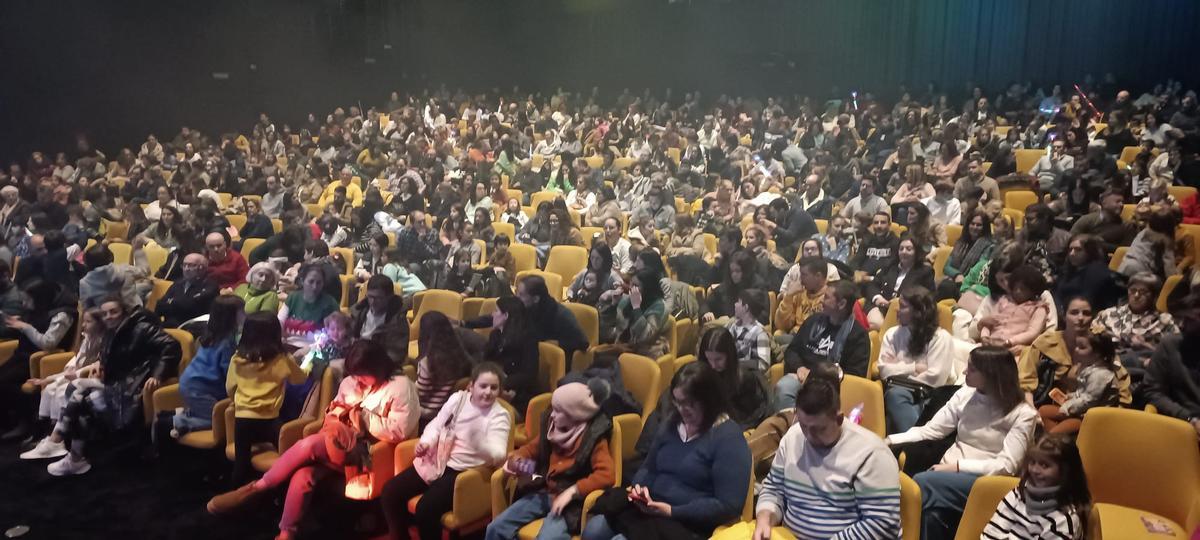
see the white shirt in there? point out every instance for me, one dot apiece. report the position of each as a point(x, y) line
point(480, 435)
point(948, 212)
point(620, 253)
point(938, 358)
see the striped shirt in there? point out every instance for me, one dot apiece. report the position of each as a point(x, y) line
point(1013, 521)
point(851, 490)
point(432, 397)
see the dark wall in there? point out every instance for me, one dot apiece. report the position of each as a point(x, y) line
point(117, 70)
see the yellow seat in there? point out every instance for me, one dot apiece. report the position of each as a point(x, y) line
point(953, 233)
point(683, 338)
point(1139, 465)
point(1167, 288)
point(226, 199)
point(472, 308)
point(347, 256)
point(1017, 217)
point(641, 378)
point(187, 345)
point(1119, 255)
point(566, 261)
point(314, 210)
point(554, 282)
point(277, 225)
point(115, 231)
point(910, 508)
point(507, 229)
point(538, 198)
point(249, 245)
point(589, 321)
point(1020, 199)
point(524, 257)
point(45, 365)
point(1027, 158)
point(552, 366)
point(1181, 192)
point(157, 291)
point(945, 317)
point(122, 253)
point(822, 225)
point(533, 418)
point(986, 494)
point(588, 233)
point(857, 390)
point(448, 303)
point(1128, 212)
point(940, 256)
point(7, 349)
point(666, 370)
point(237, 221)
point(156, 256)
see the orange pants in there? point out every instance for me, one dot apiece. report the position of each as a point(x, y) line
point(1049, 414)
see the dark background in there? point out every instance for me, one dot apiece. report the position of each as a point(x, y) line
point(118, 69)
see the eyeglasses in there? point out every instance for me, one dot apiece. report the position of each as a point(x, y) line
point(1139, 292)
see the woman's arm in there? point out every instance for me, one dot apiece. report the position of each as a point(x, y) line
point(1016, 441)
point(942, 424)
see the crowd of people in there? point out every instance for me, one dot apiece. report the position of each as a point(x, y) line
point(1013, 260)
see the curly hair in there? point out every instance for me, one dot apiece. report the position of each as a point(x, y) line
point(924, 322)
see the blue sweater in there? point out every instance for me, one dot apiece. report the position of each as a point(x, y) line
point(705, 480)
point(205, 374)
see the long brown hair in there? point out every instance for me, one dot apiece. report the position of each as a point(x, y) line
point(448, 359)
point(1000, 380)
point(1073, 487)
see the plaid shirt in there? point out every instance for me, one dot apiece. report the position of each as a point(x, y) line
point(418, 247)
point(1124, 325)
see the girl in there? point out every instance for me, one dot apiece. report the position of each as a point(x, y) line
point(1094, 354)
point(1020, 315)
point(472, 430)
point(743, 384)
point(1051, 502)
point(512, 347)
point(751, 340)
point(256, 379)
point(57, 388)
point(396, 269)
point(258, 292)
point(201, 385)
point(371, 405)
point(443, 361)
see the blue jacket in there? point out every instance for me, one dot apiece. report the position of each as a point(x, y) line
point(205, 374)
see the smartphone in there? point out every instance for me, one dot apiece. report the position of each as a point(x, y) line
point(1058, 396)
point(637, 498)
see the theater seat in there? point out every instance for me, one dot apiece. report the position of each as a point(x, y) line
point(985, 496)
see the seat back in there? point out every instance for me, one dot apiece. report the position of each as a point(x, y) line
point(641, 378)
point(1167, 288)
point(940, 256)
point(1027, 158)
point(157, 291)
point(507, 229)
point(554, 282)
point(116, 230)
point(986, 494)
point(538, 198)
point(533, 414)
point(156, 256)
point(1119, 255)
point(249, 245)
point(237, 221)
point(187, 346)
point(1117, 445)
point(122, 253)
point(566, 261)
point(552, 362)
point(588, 319)
point(472, 308)
point(524, 257)
point(910, 508)
point(1020, 199)
point(953, 233)
point(448, 303)
point(856, 390)
point(347, 256)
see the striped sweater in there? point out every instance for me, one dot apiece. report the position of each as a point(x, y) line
point(849, 491)
point(1013, 521)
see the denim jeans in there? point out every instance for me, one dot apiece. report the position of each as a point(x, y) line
point(597, 529)
point(524, 511)
point(903, 409)
point(943, 498)
point(785, 392)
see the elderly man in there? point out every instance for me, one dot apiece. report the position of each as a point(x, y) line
point(226, 267)
point(189, 297)
point(354, 193)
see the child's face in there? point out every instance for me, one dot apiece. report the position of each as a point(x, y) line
point(1044, 472)
point(590, 281)
point(336, 332)
point(1020, 293)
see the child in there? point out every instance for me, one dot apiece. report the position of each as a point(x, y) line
point(1020, 315)
point(571, 453)
point(327, 351)
point(753, 342)
point(1094, 356)
point(396, 269)
point(591, 291)
point(57, 389)
point(256, 380)
point(502, 261)
point(1052, 498)
point(460, 276)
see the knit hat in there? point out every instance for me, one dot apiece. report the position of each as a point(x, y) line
point(580, 401)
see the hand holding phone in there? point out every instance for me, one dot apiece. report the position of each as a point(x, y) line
point(1058, 396)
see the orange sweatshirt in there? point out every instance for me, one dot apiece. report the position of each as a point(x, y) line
point(602, 467)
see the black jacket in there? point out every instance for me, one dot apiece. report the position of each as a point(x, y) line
point(257, 227)
point(559, 326)
point(137, 350)
point(884, 283)
point(520, 363)
point(750, 402)
point(393, 334)
point(792, 228)
point(1173, 384)
point(1094, 281)
point(875, 253)
point(808, 351)
point(185, 300)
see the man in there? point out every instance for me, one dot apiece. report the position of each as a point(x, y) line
point(226, 267)
point(788, 226)
point(975, 177)
point(878, 249)
point(797, 304)
point(656, 207)
point(106, 278)
point(943, 207)
point(1107, 223)
point(1049, 169)
point(813, 199)
point(1172, 381)
point(417, 240)
point(830, 478)
point(792, 156)
point(618, 245)
point(1040, 232)
point(189, 297)
point(867, 202)
point(354, 193)
point(555, 322)
point(382, 317)
point(274, 199)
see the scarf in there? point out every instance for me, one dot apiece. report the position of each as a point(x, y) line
point(1040, 501)
point(565, 439)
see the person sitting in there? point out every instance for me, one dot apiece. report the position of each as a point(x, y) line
point(797, 305)
point(1154, 248)
point(258, 291)
point(743, 384)
point(57, 388)
point(695, 475)
point(303, 313)
point(1020, 315)
point(382, 317)
point(687, 251)
point(202, 383)
point(1051, 499)
point(397, 269)
point(832, 336)
point(600, 261)
point(442, 361)
point(104, 278)
point(973, 246)
point(1047, 362)
point(877, 250)
point(167, 231)
point(1086, 274)
point(866, 202)
point(830, 478)
point(838, 243)
point(512, 347)
point(189, 297)
point(915, 357)
point(992, 425)
point(556, 322)
point(910, 271)
point(1171, 383)
point(258, 224)
point(471, 430)
point(1137, 326)
point(137, 357)
point(1095, 384)
point(317, 255)
point(226, 266)
point(1106, 223)
point(752, 342)
point(571, 453)
point(739, 277)
point(372, 404)
point(642, 316)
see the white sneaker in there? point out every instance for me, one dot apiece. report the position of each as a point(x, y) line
point(68, 465)
point(45, 449)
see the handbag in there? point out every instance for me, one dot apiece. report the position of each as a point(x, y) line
point(919, 389)
point(432, 464)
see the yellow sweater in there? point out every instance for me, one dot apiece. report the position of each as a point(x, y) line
point(257, 387)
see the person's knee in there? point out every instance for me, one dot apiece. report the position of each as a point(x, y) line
point(304, 478)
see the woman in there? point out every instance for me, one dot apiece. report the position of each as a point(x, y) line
point(945, 166)
point(563, 231)
point(992, 425)
point(928, 233)
point(512, 347)
point(606, 206)
point(56, 389)
point(695, 476)
point(810, 247)
point(479, 199)
point(482, 222)
point(973, 246)
point(470, 431)
point(839, 241)
point(1020, 315)
point(371, 261)
point(562, 180)
point(163, 199)
point(1047, 362)
point(513, 215)
point(372, 404)
point(1136, 324)
point(687, 252)
point(136, 358)
point(740, 276)
point(258, 292)
point(600, 261)
point(910, 271)
point(915, 357)
point(442, 362)
point(744, 387)
point(303, 313)
point(1051, 501)
point(202, 384)
point(1086, 274)
point(258, 225)
point(642, 316)
point(583, 197)
point(407, 198)
point(915, 187)
point(167, 232)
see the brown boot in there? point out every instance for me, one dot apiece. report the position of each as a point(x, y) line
point(232, 500)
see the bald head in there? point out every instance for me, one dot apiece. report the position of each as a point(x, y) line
point(216, 247)
point(195, 266)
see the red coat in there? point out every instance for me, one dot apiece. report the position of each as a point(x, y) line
point(230, 272)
